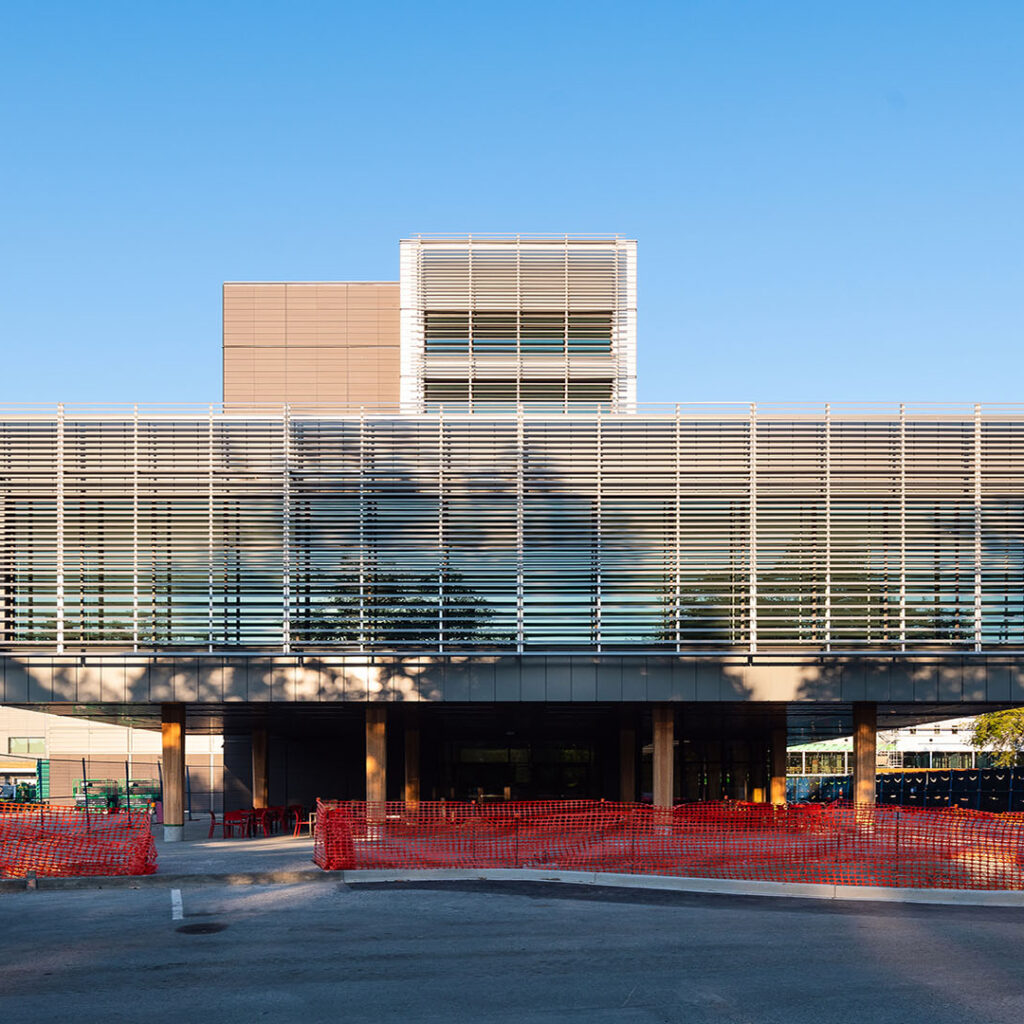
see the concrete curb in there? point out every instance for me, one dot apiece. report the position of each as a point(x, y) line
point(663, 883)
point(289, 877)
point(710, 886)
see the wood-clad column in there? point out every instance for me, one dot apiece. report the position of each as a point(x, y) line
point(627, 758)
point(778, 760)
point(865, 728)
point(663, 716)
point(376, 761)
point(260, 768)
point(412, 757)
point(172, 730)
point(759, 753)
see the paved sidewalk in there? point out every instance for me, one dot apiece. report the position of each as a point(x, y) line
point(199, 855)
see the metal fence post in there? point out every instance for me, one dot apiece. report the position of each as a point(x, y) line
point(897, 845)
point(85, 793)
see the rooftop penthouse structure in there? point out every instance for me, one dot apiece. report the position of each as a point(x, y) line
point(476, 322)
point(500, 321)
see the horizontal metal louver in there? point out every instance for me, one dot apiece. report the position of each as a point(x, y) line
point(513, 308)
point(715, 528)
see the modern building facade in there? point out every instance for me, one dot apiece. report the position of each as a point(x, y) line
point(933, 746)
point(491, 589)
point(476, 322)
point(60, 751)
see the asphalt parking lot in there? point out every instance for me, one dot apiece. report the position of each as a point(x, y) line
point(499, 952)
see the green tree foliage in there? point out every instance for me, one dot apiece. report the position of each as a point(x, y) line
point(791, 608)
point(398, 610)
point(1002, 734)
point(709, 611)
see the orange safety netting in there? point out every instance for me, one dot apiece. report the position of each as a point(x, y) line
point(66, 841)
point(831, 844)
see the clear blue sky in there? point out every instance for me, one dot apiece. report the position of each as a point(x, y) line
point(829, 197)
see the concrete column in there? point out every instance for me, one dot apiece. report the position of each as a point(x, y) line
point(260, 768)
point(865, 728)
point(376, 761)
point(627, 760)
point(663, 717)
point(778, 760)
point(412, 758)
point(757, 752)
point(172, 730)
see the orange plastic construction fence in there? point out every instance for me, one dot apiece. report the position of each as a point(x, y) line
point(835, 844)
point(66, 841)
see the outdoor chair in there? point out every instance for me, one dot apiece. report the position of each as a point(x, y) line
point(213, 824)
point(235, 820)
point(262, 818)
point(301, 818)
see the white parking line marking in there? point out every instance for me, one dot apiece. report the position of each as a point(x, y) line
point(177, 910)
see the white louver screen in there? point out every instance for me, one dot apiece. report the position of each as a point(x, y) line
point(690, 528)
point(483, 314)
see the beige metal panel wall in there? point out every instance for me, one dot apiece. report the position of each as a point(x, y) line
point(68, 737)
point(316, 343)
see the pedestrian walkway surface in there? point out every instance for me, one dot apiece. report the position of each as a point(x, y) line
point(197, 854)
